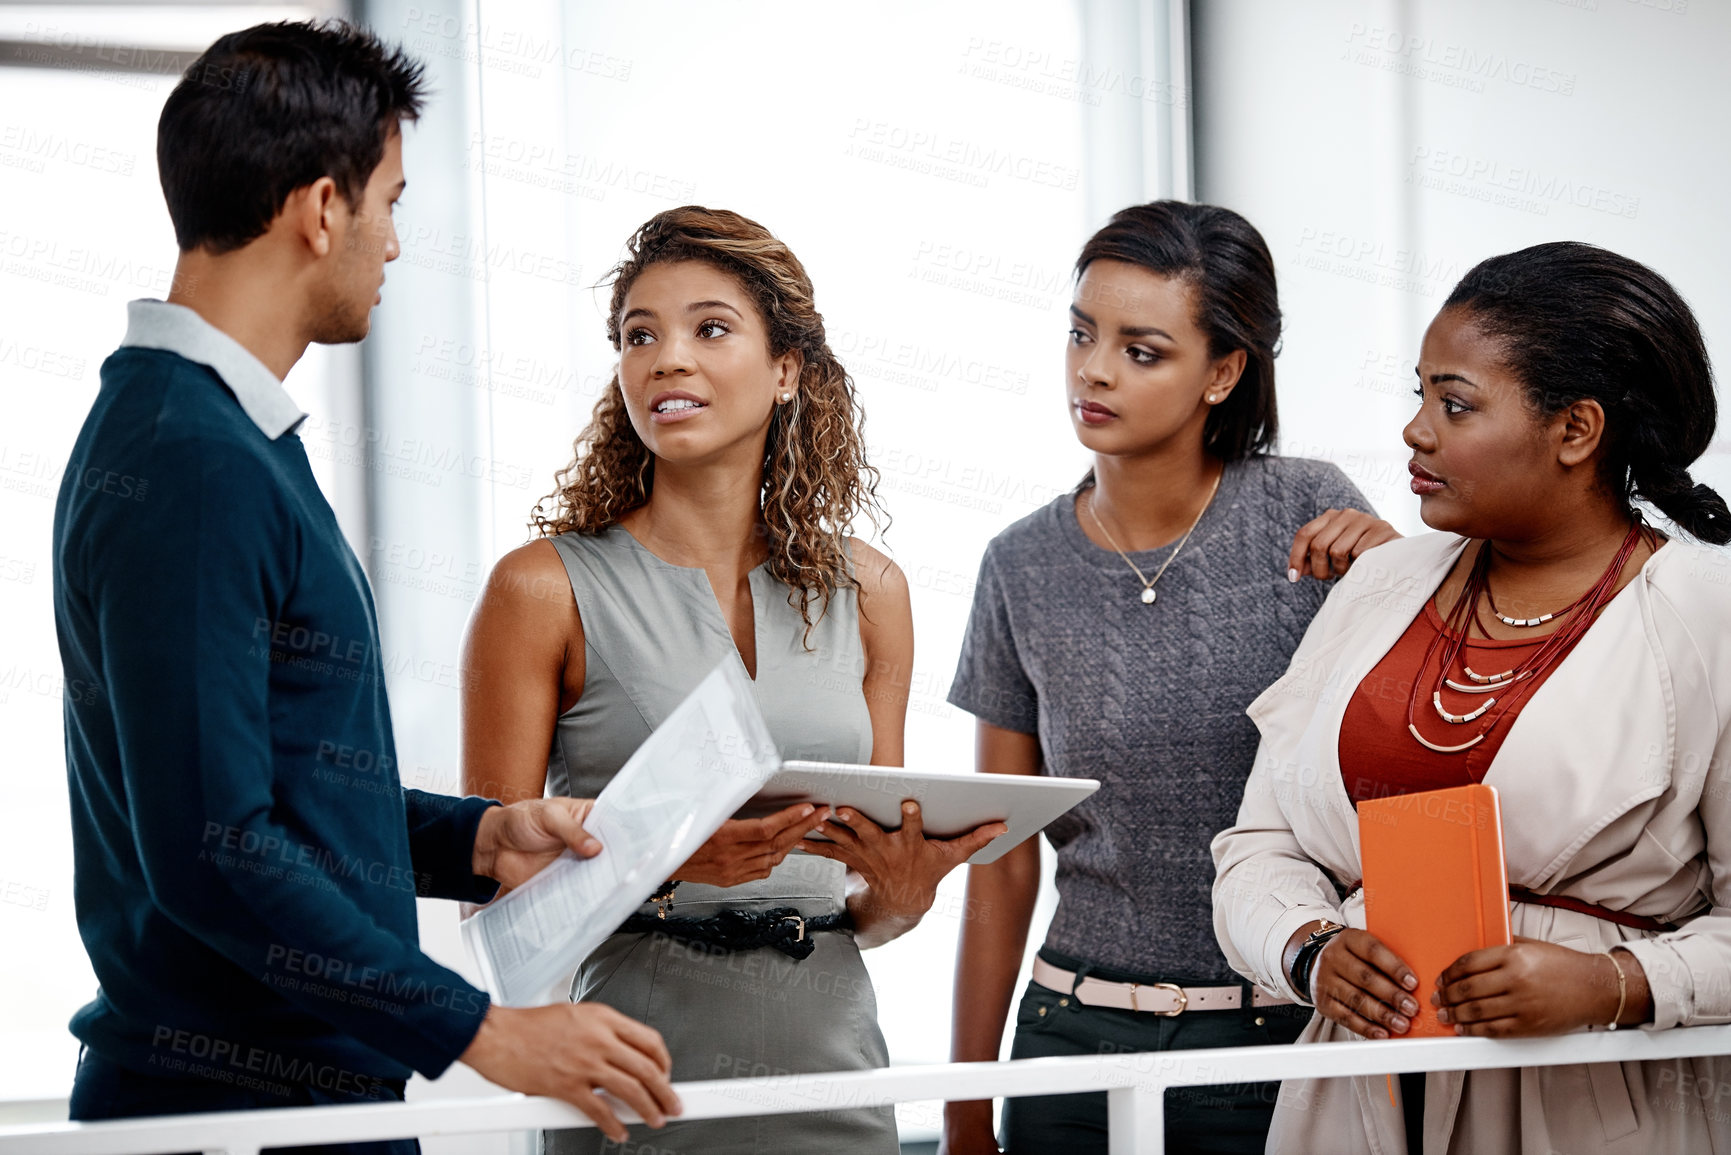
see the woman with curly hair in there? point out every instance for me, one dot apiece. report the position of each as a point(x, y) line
point(705, 517)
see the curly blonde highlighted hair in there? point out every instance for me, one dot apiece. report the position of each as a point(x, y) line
point(816, 480)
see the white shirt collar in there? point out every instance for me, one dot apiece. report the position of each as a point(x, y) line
point(177, 329)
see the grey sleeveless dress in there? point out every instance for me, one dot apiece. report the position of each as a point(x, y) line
point(652, 631)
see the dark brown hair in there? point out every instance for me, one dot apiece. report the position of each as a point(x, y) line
point(1227, 264)
point(816, 480)
point(273, 108)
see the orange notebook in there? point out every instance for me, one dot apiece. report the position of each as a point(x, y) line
point(1435, 886)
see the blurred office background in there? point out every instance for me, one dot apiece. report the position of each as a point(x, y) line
point(936, 167)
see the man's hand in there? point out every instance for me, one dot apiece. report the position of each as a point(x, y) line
point(572, 1050)
point(1325, 546)
point(747, 849)
point(514, 842)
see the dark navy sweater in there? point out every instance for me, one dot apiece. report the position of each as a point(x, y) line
point(246, 860)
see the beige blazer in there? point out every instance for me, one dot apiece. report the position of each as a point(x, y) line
point(1615, 786)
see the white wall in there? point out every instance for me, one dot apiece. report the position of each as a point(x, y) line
point(1384, 147)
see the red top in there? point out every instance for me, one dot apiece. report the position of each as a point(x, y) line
point(1378, 755)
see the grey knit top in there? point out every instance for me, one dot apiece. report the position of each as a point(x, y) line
point(1149, 699)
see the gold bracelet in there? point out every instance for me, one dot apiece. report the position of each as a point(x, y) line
point(1622, 990)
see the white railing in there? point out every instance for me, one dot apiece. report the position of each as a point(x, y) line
point(1134, 1083)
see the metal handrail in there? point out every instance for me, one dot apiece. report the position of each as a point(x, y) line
point(1134, 1082)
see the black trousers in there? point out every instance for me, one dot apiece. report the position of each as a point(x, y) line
point(103, 1089)
point(1231, 1118)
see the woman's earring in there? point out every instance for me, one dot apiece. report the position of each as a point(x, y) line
point(786, 397)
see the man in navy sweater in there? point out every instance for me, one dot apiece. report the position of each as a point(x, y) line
point(251, 917)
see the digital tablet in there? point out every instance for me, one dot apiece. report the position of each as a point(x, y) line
point(950, 803)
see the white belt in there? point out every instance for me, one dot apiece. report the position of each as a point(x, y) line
point(1168, 999)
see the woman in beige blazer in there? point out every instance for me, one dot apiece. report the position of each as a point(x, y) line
point(1559, 385)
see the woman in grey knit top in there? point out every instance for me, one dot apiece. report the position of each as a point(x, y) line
point(1119, 633)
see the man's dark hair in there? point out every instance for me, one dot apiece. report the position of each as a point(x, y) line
point(1227, 264)
point(271, 109)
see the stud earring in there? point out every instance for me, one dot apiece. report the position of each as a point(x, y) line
point(786, 397)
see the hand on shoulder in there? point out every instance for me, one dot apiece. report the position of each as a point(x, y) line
point(1326, 546)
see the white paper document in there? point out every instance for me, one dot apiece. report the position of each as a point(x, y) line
point(710, 755)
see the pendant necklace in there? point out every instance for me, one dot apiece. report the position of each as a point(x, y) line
point(1148, 582)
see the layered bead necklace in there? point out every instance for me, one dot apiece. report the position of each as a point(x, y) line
point(1509, 686)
